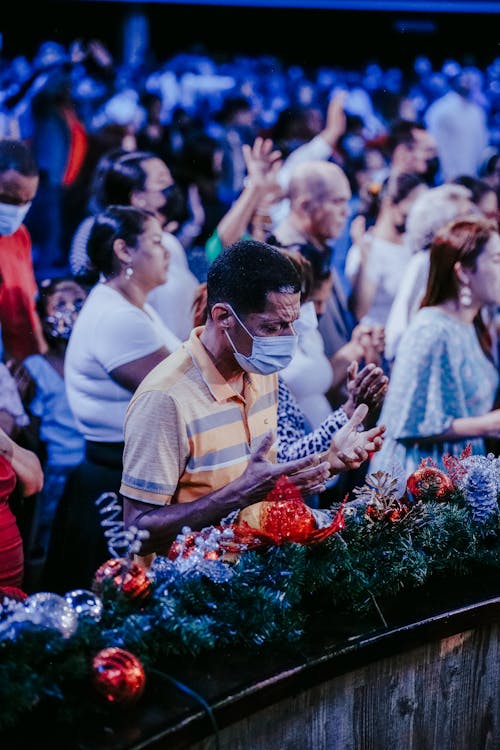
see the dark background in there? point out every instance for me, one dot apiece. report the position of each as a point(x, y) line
point(304, 36)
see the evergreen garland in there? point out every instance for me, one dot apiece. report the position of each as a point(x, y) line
point(388, 545)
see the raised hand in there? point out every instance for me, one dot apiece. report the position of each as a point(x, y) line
point(262, 161)
point(366, 386)
point(351, 447)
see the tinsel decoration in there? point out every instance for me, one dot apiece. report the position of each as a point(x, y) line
point(428, 482)
point(201, 553)
point(126, 576)
point(118, 676)
point(121, 542)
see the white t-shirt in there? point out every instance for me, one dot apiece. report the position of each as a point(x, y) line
point(173, 300)
point(309, 375)
point(109, 332)
point(407, 301)
point(386, 265)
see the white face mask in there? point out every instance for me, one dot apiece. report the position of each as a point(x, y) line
point(269, 353)
point(308, 320)
point(11, 217)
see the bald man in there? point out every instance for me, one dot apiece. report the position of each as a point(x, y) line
point(319, 194)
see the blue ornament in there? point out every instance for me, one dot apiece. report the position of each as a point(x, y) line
point(85, 603)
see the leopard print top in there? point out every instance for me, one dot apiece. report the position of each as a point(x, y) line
point(294, 440)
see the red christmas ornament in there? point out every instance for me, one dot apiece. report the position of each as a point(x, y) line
point(281, 518)
point(128, 576)
point(118, 676)
point(429, 481)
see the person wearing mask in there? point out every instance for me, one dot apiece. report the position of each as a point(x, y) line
point(60, 443)
point(200, 428)
point(20, 324)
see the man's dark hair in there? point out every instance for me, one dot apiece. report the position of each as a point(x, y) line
point(17, 155)
point(246, 272)
point(401, 131)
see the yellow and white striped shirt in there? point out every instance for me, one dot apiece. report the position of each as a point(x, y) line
point(188, 433)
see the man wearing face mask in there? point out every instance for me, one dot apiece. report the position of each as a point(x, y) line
point(200, 428)
point(21, 328)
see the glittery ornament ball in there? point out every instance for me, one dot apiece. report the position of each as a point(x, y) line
point(127, 576)
point(85, 603)
point(429, 481)
point(118, 676)
point(51, 611)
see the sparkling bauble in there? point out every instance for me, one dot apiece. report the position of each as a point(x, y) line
point(118, 676)
point(127, 576)
point(51, 611)
point(283, 515)
point(431, 482)
point(85, 603)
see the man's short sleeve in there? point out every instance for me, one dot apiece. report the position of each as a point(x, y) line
point(156, 449)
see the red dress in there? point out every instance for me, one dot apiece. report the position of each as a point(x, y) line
point(11, 544)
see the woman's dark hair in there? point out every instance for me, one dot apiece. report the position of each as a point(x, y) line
point(124, 175)
point(115, 222)
point(401, 185)
point(246, 272)
point(462, 239)
point(478, 188)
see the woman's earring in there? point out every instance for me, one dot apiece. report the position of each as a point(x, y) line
point(465, 296)
point(129, 272)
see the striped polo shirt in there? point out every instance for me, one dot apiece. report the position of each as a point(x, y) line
point(188, 433)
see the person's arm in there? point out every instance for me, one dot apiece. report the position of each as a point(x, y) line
point(262, 163)
point(25, 463)
point(166, 521)
point(323, 145)
point(131, 374)
point(462, 428)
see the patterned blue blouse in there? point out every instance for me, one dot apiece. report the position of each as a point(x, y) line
point(440, 374)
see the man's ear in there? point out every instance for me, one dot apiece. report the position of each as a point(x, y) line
point(221, 314)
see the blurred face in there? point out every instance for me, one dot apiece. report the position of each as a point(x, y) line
point(17, 190)
point(277, 319)
point(150, 258)
point(402, 209)
point(488, 205)
point(62, 309)
point(158, 179)
point(485, 280)
point(329, 215)
point(420, 152)
point(320, 296)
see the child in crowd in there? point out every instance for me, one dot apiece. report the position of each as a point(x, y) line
point(61, 446)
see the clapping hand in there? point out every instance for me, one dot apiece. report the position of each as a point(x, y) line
point(351, 447)
point(308, 474)
point(366, 386)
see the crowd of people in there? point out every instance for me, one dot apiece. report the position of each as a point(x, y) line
point(215, 274)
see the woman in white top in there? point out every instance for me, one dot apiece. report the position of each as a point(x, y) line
point(117, 339)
